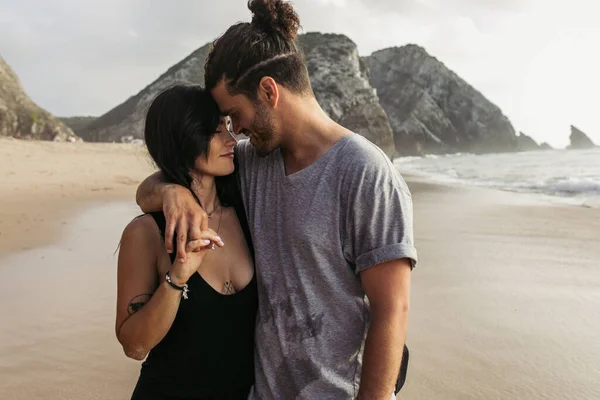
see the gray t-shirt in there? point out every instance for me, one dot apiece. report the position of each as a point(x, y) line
point(313, 232)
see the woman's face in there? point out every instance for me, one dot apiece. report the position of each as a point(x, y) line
point(220, 153)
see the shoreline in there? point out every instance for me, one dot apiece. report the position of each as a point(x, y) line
point(512, 196)
point(45, 183)
point(572, 179)
point(41, 219)
point(37, 202)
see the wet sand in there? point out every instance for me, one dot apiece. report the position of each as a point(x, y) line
point(505, 300)
point(57, 304)
point(57, 269)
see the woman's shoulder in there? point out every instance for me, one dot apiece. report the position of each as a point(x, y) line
point(143, 229)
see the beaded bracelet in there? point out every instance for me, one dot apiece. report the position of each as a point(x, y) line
point(183, 288)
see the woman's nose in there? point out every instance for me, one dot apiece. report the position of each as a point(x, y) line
point(229, 141)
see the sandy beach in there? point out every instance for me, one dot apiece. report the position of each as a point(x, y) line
point(44, 183)
point(505, 300)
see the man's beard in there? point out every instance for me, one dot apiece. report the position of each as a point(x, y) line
point(262, 129)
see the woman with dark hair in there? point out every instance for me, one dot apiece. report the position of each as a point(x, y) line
point(192, 317)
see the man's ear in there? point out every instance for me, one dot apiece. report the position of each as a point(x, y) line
point(268, 91)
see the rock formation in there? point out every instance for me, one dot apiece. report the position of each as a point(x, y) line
point(579, 140)
point(338, 76)
point(127, 119)
point(401, 98)
point(21, 118)
point(433, 110)
point(526, 143)
point(340, 81)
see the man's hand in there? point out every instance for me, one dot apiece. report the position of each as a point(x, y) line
point(183, 215)
point(182, 212)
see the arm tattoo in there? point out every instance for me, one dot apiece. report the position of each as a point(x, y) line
point(138, 302)
point(228, 288)
point(135, 305)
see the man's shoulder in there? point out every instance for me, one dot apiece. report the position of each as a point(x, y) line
point(251, 162)
point(243, 147)
point(362, 158)
point(360, 151)
point(245, 153)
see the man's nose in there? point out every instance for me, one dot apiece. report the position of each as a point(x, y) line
point(237, 127)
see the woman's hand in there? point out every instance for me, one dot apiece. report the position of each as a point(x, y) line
point(195, 251)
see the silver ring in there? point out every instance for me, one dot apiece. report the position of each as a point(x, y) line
point(212, 247)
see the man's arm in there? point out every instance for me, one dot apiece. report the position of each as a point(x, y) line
point(182, 212)
point(387, 286)
point(379, 242)
point(149, 194)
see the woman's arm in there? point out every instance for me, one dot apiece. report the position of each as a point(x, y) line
point(146, 308)
point(147, 305)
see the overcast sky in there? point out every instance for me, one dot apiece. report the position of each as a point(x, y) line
point(536, 59)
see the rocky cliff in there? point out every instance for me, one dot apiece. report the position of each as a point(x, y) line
point(20, 117)
point(579, 140)
point(340, 81)
point(338, 76)
point(433, 110)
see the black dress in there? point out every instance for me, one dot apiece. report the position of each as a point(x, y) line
point(208, 352)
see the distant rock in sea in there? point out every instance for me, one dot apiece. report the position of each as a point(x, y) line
point(21, 118)
point(433, 110)
point(546, 146)
point(526, 143)
point(579, 140)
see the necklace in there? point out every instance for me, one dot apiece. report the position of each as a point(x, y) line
point(220, 218)
point(209, 214)
point(216, 205)
point(218, 226)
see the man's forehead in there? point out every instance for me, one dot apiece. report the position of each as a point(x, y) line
point(224, 100)
point(226, 110)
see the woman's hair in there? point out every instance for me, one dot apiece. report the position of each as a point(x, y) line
point(264, 47)
point(180, 123)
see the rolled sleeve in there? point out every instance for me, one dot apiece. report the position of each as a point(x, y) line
point(379, 224)
point(387, 253)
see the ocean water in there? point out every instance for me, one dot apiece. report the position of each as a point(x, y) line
point(566, 176)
